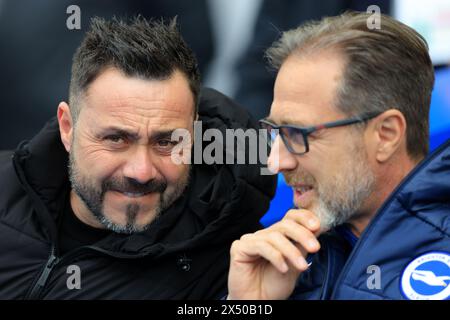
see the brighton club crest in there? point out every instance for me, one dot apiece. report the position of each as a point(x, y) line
point(427, 277)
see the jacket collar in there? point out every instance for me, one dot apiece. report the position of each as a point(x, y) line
point(417, 207)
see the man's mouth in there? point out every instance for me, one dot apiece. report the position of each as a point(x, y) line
point(133, 194)
point(303, 195)
point(303, 189)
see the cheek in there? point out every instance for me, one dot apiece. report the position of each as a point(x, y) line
point(97, 162)
point(173, 173)
point(323, 168)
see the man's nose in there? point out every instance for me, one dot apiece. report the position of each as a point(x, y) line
point(280, 159)
point(139, 165)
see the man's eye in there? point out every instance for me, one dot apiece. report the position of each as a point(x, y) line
point(316, 134)
point(295, 136)
point(167, 143)
point(115, 139)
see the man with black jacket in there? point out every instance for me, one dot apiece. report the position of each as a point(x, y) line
point(94, 207)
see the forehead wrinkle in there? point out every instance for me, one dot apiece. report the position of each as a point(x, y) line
point(141, 104)
point(156, 121)
point(117, 100)
point(291, 113)
point(155, 117)
point(146, 98)
point(144, 127)
point(146, 106)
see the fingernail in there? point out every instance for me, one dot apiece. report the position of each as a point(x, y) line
point(302, 264)
point(312, 243)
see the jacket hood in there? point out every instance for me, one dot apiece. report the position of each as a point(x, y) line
point(221, 202)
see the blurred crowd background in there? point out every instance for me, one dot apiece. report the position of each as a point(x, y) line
point(229, 38)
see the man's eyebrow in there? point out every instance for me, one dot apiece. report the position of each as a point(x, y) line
point(284, 122)
point(156, 135)
point(271, 120)
point(163, 134)
point(119, 131)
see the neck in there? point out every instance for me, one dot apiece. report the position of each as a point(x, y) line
point(388, 177)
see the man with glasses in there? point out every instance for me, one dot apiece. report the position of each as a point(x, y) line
point(349, 132)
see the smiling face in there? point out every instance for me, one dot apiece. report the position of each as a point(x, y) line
point(120, 148)
point(334, 178)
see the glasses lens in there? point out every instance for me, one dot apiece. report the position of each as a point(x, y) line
point(294, 138)
point(271, 133)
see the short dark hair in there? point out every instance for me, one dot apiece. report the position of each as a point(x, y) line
point(148, 49)
point(385, 68)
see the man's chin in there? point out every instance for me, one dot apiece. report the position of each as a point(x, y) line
point(126, 222)
point(325, 217)
point(125, 228)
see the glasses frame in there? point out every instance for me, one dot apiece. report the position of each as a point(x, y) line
point(306, 131)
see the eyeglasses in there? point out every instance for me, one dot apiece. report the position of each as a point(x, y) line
point(296, 138)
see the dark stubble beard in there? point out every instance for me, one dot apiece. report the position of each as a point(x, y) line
point(93, 196)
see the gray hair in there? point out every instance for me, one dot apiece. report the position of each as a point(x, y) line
point(387, 68)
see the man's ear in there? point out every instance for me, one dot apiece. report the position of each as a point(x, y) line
point(65, 124)
point(389, 133)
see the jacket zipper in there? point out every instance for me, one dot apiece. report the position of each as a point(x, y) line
point(43, 213)
point(53, 260)
point(43, 278)
point(324, 294)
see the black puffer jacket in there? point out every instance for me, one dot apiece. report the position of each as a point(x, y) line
point(184, 255)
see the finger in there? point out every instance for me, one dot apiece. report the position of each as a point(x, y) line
point(245, 251)
point(297, 233)
point(288, 249)
point(304, 217)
